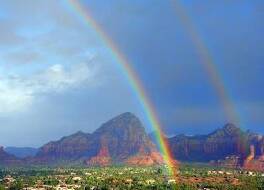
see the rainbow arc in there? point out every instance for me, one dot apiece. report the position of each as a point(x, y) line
point(207, 62)
point(84, 15)
point(132, 78)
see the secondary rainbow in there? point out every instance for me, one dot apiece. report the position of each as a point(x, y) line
point(208, 63)
point(133, 79)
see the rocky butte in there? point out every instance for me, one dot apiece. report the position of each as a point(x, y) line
point(122, 140)
point(228, 146)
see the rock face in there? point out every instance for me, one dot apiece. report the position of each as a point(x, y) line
point(146, 159)
point(67, 149)
point(256, 164)
point(124, 136)
point(229, 140)
point(251, 162)
point(228, 147)
point(121, 140)
point(254, 161)
point(124, 140)
point(103, 158)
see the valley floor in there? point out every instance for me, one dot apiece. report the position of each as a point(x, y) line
point(188, 178)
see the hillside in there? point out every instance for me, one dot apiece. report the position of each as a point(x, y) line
point(229, 140)
point(122, 140)
point(228, 146)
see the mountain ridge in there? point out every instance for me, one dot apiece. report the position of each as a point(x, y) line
point(204, 148)
point(115, 141)
point(123, 140)
point(228, 146)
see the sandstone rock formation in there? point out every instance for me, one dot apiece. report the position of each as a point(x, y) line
point(122, 140)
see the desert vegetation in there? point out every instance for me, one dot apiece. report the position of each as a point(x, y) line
point(188, 178)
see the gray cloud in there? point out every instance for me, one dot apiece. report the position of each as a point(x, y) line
point(8, 35)
point(18, 92)
point(157, 45)
point(21, 57)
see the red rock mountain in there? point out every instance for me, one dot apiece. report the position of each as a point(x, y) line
point(228, 146)
point(226, 141)
point(67, 149)
point(122, 140)
point(255, 160)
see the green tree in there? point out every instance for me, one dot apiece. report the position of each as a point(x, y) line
point(16, 186)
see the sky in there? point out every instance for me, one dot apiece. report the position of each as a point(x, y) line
point(58, 77)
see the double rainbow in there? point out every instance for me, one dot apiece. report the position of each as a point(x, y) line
point(134, 81)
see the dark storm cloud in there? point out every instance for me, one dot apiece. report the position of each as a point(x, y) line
point(153, 37)
point(169, 65)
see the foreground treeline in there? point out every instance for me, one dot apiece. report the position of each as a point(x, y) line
point(119, 178)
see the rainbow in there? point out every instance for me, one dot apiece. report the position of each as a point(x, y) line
point(87, 19)
point(208, 63)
